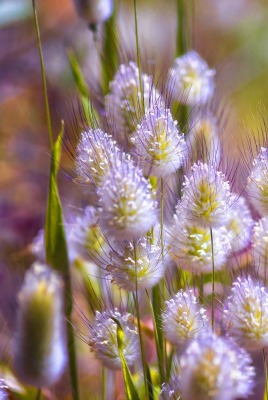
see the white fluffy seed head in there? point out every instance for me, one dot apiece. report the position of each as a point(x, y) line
point(158, 143)
point(190, 246)
point(97, 153)
point(203, 139)
point(257, 184)
point(39, 342)
point(239, 224)
point(206, 196)
point(94, 11)
point(184, 319)
point(139, 264)
point(246, 313)
point(103, 339)
point(126, 104)
point(215, 369)
point(128, 206)
point(190, 80)
point(260, 247)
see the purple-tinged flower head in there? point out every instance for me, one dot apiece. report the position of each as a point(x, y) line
point(39, 341)
point(158, 143)
point(215, 369)
point(171, 390)
point(203, 138)
point(206, 196)
point(190, 80)
point(257, 185)
point(240, 224)
point(3, 393)
point(102, 338)
point(94, 11)
point(260, 247)
point(126, 104)
point(128, 206)
point(136, 265)
point(246, 313)
point(97, 153)
point(184, 319)
point(190, 246)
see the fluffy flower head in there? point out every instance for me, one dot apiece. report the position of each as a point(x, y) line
point(183, 318)
point(128, 207)
point(159, 144)
point(103, 339)
point(215, 369)
point(246, 313)
point(206, 196)
point(190, 80)
point(257, 185)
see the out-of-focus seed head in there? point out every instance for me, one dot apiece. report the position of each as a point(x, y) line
point(203, 139)
point(159, 145)
point(215, 369)
point(94, 11)
point(103, 339)
point(190, 246)
point(190, 80)
point(125, 105)
point(206, 196)
point(257, 184)
point(139, 264)
point(128, 207)
point(184, 319)
point(260, 247)
point(171, 390)
point(246, 313)
point(97, 153)
point(3, 393)
point(239, 225)
point(39, 342)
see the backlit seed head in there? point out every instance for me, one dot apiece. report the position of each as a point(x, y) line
point(126, 104)
point(97, 153)
point(203, 139)
point(240, 224)
point(158, 143)
point(39, 342)
point(215, 369)
point(139, 264)
point(103, 339)
point(260, 246)
point(190, 246)
point(94, 11)
point(184, 319)
point(257, 185)
point(128, 207)
point(246, 313)
point(206, 196)
point(190, 80)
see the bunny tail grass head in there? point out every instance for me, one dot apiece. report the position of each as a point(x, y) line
point(257, 185)
point(94, 11)
point(39, 342)
point(215, 369)
point(103, 338)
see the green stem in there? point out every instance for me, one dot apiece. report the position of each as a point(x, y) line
point(181, 31)
point(138, 53)
point(265, 396)
point(38, 394)
point(103, 383)
point(201, 289)
point(43, 75)
point(136, 302)
point(213, 283)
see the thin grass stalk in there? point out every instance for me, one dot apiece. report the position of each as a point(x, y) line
point(138, 53)
point(38, 394)
point(265, 395)
point(136, 302)
point(68, 289)
point(213, 283)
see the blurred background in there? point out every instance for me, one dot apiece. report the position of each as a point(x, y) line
point(231, 35)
